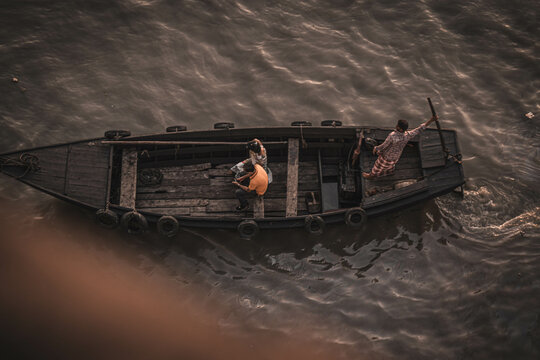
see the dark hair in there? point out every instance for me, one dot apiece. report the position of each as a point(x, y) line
point(249, 167)
point(403, 124)
point(254, 146)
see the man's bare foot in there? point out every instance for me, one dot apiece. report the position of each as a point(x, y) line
point(366, 175)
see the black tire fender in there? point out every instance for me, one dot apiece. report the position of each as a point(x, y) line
point(223, 125)
point(300, 123)
point(116, 134)
point(176, 128)
point(168, 226)
point(134, 222)
point(314, 224)
point(248, 229)
point(355, 217)
point(331, 123)
point(107, 218)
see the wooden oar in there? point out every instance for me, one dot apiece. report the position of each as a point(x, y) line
point(445, 149)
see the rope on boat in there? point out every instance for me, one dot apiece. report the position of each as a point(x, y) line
point(28, 161)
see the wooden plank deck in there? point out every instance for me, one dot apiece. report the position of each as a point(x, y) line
point(431, 151)
point(87, 173)
point(175, 196)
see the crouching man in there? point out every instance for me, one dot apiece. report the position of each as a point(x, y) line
point(253, 183)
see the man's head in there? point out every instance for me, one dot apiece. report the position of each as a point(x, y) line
point(254, 146)
point(402, 125)
point(248, 167)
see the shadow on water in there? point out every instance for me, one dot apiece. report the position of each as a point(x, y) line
point(73, 290)
point(398, 266)
point(400, 230)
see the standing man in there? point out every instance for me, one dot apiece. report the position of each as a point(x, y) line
point(253, 183)
point(390, 150)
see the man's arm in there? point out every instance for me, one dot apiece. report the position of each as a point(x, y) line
point(433, 118)
point(243, 187)
point(416, 131)
point(241, 178)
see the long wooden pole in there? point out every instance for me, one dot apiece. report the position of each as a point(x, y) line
point(445, 149)
point(168, 143)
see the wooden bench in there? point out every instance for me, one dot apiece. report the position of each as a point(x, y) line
point(292, 178)
point(258, 207)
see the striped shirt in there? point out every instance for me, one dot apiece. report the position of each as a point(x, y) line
point(394, 144)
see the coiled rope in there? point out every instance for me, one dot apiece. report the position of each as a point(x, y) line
point(28, 161)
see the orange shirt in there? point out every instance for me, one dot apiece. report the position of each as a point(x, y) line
point(259, 180)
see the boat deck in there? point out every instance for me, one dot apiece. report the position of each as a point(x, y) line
point(207, 190)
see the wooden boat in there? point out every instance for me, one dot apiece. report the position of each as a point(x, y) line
point(181, 178)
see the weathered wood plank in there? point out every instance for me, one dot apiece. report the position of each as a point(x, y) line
point(435, 143)
point(86, 172)
point(187, 181)
point(224, 172)
point(433, 163)
point(193, 191)
point(84, 190)
point(98, 201)
point(433, 136)
point(228, 214)
point(128, 187)
point(258, 207)
point(224, 166)
point(59, 150)
point(180, 142)
point(217, 192)
point(58, 167)
point(171, 203)
point(269, 205)
point(278, 179)
point(292, 177)
point(91, 145)
point(247, 134)
point(89, 154)
point(193, 167)
point(53, 183)
point(170, 211)
point(394, 195)
point(191, 175)
point(97, 184)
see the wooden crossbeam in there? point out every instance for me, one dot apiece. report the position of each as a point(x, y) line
point(169, 143)
point(292, 177)
point(128, 187)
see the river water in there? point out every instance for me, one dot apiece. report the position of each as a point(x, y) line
point(453, 278)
